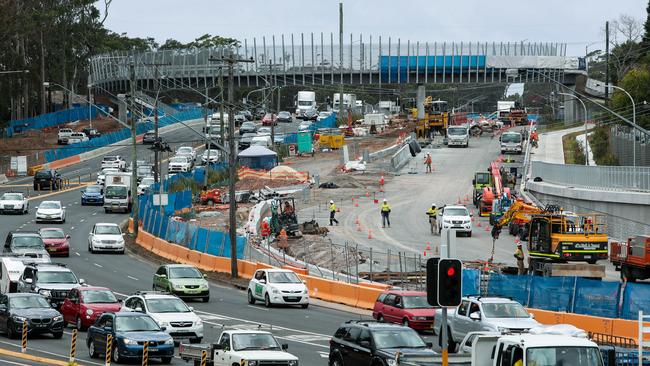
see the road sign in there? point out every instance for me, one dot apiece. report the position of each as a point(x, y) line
point(160, 199)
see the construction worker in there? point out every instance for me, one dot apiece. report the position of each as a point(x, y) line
point(385, 213)
point(427, 162)
point(332, 213)
point(432, 212)
point(533, 138)
point(519, 254)
point(288, 209)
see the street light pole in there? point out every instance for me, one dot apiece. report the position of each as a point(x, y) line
point(633, 120)
point(586, 142)
point(90, 114)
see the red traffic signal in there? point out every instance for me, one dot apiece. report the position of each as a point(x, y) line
point(450, 282)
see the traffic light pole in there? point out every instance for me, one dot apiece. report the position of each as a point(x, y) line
point(444, 253)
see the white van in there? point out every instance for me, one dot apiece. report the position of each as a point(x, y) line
point(264, 140)
point(10, 273)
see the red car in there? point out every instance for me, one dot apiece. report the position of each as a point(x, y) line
point(409, 308)
point(56, 241)
point(84, 305)
point(270, 120)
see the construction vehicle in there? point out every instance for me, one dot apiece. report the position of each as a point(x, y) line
point(480, 181)
point(489, 193)
point(283, 216)
point(518, 116)
point(436, 118)
point(517, 217)
point(500, 206)
point(211, 196)
point(632, 258)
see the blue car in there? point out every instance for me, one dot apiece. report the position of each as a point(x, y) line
point(130, 331)
point(92, 195)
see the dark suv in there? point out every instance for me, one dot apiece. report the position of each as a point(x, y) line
point(47, 179)
point(373, 343)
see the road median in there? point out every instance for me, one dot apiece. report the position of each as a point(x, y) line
point(28, 357)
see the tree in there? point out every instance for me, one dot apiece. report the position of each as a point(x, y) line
point(626, 50)
point(646, 27)
point(172, 44)
point(637, 83)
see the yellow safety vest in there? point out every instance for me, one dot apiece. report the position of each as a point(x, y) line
point(385, 207)
point(432, 212)
point(333, 207)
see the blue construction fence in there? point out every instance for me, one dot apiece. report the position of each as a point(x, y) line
point(329, 122)
point(55, 118)
point(120, 135)
point(198, 174)
point(184, 233)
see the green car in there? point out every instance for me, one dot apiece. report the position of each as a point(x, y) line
point(182, 280)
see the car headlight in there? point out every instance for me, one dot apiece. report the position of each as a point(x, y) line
point(19, 319)
point(293, 362)
point(252, 363)
point(205, 285)
point(177, 286)
point(162, 323)
point(275, 290)
point(89, 311)
point(46, 293)
point(198, 321)
point(446, 221)
point(391, 362)
point(57, 318)
point(169, 341)
point(305, 291)
point(503, 329)
point(130, 341)
point(466, 221)
point(96, 241)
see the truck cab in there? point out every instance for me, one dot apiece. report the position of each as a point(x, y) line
point(305, 100)
point(632, 258)
point(458, 136)
point(511, 142)
point(117, 192)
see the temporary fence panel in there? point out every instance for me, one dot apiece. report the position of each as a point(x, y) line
point(598, 298)
point(636, 296)
point(305, 145)
point(202, 236)
point(54, 119)
point(550, 293)
point(470, 281)
point(515, 287)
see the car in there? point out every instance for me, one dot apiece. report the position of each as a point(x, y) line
point(106, 237)
point(47, 179)
point(77, 137)
point(17, 308)
point(63, 134)
point(239, 119)
point(215, 118)
point(365, 342)
point(186, 151)
point(180, 164)
point(113, 161)
point(247, 114)
point(129, 332)
point(101, 176)
point(323, 115)
point(478, 313)
point(84, 305)
point(25, 242)
point(56, 241)
point(277, 286)
point(263, 140)
point(14, 202)
point(50, 211)
point(182, 280)
point(92, 195)
point(145, 184)
point(247, 127)
point(304, 126)
point(455, 217)
point(310, 115)
point(409, 308)
point(285, 116)
point(91, 132)
point(245, 140)
point(52, 280)
point(149, 137)
point(144, 170)
point(170, 312)
point(264, 131)
point(210, 154)
point(269, 119)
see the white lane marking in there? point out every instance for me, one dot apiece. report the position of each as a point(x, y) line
point(15, 363)
point(98, 265)
point(303, 342)
point(324, 354)
point(307, 338)
point(76, 203)
point(50, 353)
point(257, 307)
point(82, 220)
point(133, 278)
point(94, 213)
point(71, 227)
point(77, 254)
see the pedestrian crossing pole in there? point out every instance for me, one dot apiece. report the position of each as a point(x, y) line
point(145, 354)
point(73, 346)
point(109, 349)
point(204, 358)
point(24, 337)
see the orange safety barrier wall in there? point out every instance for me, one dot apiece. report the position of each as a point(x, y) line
point(58, 164)
point(302, 271)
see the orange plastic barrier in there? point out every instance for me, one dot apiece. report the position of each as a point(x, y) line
point(367, 297)
point(297, 270)
point(58, 164)
point(320, 288)
point(182, 253)
point(260, 265)
point(547, 317)
point(588, 323)
point(194, 258)
point(626, 328)
point(380, 286)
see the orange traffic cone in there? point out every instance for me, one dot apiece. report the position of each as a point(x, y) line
point(479, 224)
point(428, 246)
point(487, 228)
point(369, 233)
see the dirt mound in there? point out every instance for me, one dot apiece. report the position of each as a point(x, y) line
point(254, 183)
point(345, 181)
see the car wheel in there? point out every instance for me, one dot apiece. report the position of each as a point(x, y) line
point(116, 354)
point(469, 234)
point(90, 248)
point(57, 335)
point(405, 322)
point(251, 299)
point(304, 306)
point(92, 352)
point(11, 332)
point(337, 361)
point(380, 318)
point(79, 325)
point(166, 360)
point(267, 301)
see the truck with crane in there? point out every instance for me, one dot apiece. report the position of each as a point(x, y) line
point(436, 118)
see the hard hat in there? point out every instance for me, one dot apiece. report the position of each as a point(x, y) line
point(433, 204)
point(331, 201)
point(518, 244)
point(384, 200)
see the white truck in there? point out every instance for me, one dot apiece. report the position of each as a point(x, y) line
point(117, 192)
point(458, 136)
point(306, 100)
point(240, 347)
point(511, 142)
point(349, 101)
point(12, 269)
point(503, 109)
point(379, 120)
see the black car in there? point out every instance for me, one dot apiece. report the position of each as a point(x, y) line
point(285, 116)
point(247, 114)
point(373, 343)
point(47, 179)
point(247, 127)
point(149, 137)
point(16, 308)
point(92, 133)
point(245, 140)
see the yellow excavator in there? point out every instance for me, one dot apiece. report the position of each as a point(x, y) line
point(436, 118)
point(518, 216)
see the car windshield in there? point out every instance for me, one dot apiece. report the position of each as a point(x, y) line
point(457, 131)
point(116, 192)
point(147, 181)
point(455, 212)
point(167, 305)
point(28, 302)
point(56, 277)
point(284, 114)
point(184, 272)
point(504, 310)
point(42, 175)
point(511, 137)
point(49, 205)
point(416, 302)
point(107, 230)
point(305, 103)
point(563, 356)
point(268, 116)
point(248, 125)
point(52, 234)
point(144, 169)
point(283, 277)
point(12, 197)
point(137, 323)
point(184, 151)
point(398, 338)
point(210, 152)
point(250, 341)
point(27, 242)
point(99, 297)
point(110, 158)
point(178, 160)
point(482, 178)
point(93, 189)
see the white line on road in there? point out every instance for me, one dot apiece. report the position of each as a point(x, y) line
point(71, 227)
point(98, 265)
point(82, 220)
point(15, 363)
point(94, 213)
point(133, 278)
point(77, 254)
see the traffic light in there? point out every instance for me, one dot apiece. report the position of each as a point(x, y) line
point(450, 282)
point(432, 281)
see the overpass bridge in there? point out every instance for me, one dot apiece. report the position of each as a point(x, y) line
point(311, 60)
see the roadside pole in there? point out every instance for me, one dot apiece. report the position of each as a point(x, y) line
point(207, 140)
point(444, 253)
point(134, 160)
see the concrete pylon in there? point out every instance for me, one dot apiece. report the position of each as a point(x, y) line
point(421, 94)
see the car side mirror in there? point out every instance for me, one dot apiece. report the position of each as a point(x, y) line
point(429, 344)
point(82, 281)
point(53, 305)
point(205, 275)
point(532, 316)
point(475, 315)
point(365, 344)
point(263, 281)
point(285, 346)
point(64, 207)
point(29, 281)
point(67, 236)
point(471, 214)
point(163, 328)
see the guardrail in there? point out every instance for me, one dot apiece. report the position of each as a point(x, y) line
point(610, 178)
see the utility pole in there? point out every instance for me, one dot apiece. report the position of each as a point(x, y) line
point(341, 60)
point(222, 127)
point(207, 140)
point(156, 155)
point(273, 83)
point(230, 62)
point(134, 173)
point(607, 63)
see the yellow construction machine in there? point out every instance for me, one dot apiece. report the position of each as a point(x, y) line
point(436, 118)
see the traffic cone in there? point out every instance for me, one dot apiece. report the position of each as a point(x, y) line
point(424, 253)
point(479, 224)
point(428, 246)
point(356, 221)
point(369, 233)
point(487, 228)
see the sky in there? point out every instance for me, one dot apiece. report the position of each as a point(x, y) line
point(575, 22)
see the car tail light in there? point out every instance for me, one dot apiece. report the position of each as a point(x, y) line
point(567, 254)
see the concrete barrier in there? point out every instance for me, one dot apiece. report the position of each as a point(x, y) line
point(400, 158)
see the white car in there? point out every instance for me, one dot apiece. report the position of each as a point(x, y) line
point(456, 218)
point(14, 202)
point(213, 155)
point(106, 237)
point(113, 161)
point(101, 176)
point(262, 131)
point(277, 286)
point(145, 183)
point(77, 137)
point(50, 211)
point(304, 126)
point(186, 151)
point(168, 311)
point(264, 140)
point(179, 164)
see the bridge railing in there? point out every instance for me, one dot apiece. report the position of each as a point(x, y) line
point(614, 178)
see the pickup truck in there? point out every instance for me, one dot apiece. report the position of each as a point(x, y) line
point(63, 135)
point(240, 347)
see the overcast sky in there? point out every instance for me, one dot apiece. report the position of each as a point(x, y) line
point(576, 22)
